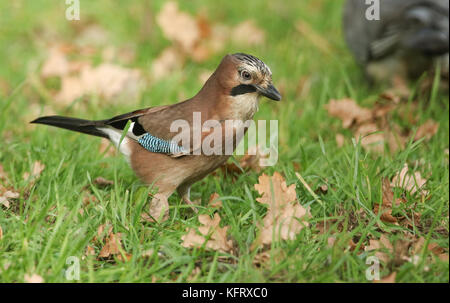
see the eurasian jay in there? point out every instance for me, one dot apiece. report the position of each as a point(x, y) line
point(231, 93)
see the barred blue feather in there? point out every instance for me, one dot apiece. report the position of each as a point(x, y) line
point(157, 145)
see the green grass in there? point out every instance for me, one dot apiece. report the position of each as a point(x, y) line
point(45, 226)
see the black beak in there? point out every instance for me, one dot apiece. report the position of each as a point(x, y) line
point(270, 92)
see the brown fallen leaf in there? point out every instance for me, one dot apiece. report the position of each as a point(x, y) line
point(106, 80)
point(396, 252)
point(263, 258)
point(88, 198)
point(348, 111)
point(214, 201)
point(427, 130)
point(210, 232)
point(194, 37)
point(331, 240)
point(373, 126)
point(34, 278)
point(411, 184)
point(1, 233)
point(166, 63)
point(435, 249)
point(102, 182)
point(112, 245)
point(432, 247)
point(444, 257)
point(158, 209)
point(383, 248)
point(101, 232)
point(90, 251)
point(36, 171)
point(340, 139)
point(248, 33)
point(56, 63)
point(6, 196)
point(125, 257)
point(285, 216)
point(386, 205)
point(387, 279)
point(178, 26)
point(399, 88)
point(371, 137)
point(194, 274)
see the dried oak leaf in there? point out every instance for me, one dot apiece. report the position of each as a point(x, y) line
point(90, 251)
point(432, 247)
point(411, 184)
point(348, 111)
point(191, 36)
point(372, 126)
point(285, 216)
point(383, 248)
point(178, 26)
point(263, 258)
point(396, 252)
point(158, 209)
point(386, 205)
point(112, 245)
point(166, 63)
point(106, 80)
point(211, 233)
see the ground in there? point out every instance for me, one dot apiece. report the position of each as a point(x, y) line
point(57, 210)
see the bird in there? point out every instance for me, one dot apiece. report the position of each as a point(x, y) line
point(145, 137)
point(410, 38)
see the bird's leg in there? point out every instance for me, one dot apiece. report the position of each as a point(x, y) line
point(184, 192)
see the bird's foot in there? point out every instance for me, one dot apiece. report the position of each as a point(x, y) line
point(192, 204)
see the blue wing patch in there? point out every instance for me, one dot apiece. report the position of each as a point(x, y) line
point(157, 145)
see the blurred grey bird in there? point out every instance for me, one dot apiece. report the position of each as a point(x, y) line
point(410, 37)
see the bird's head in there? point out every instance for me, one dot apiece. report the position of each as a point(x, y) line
point(241, 74)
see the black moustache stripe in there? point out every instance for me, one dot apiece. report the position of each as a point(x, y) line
point(242, 89)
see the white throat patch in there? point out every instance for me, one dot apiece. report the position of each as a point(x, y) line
point(243, 107)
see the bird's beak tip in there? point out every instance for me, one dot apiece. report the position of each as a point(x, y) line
point(271, 92)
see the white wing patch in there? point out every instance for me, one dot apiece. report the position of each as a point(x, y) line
point(115, 135)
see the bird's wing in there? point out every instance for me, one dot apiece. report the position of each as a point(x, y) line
point(151, 128)
point(153, 134)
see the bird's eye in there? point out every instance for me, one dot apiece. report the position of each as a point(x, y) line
point(246, 75)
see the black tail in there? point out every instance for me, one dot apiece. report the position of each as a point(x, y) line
point(79, 125)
